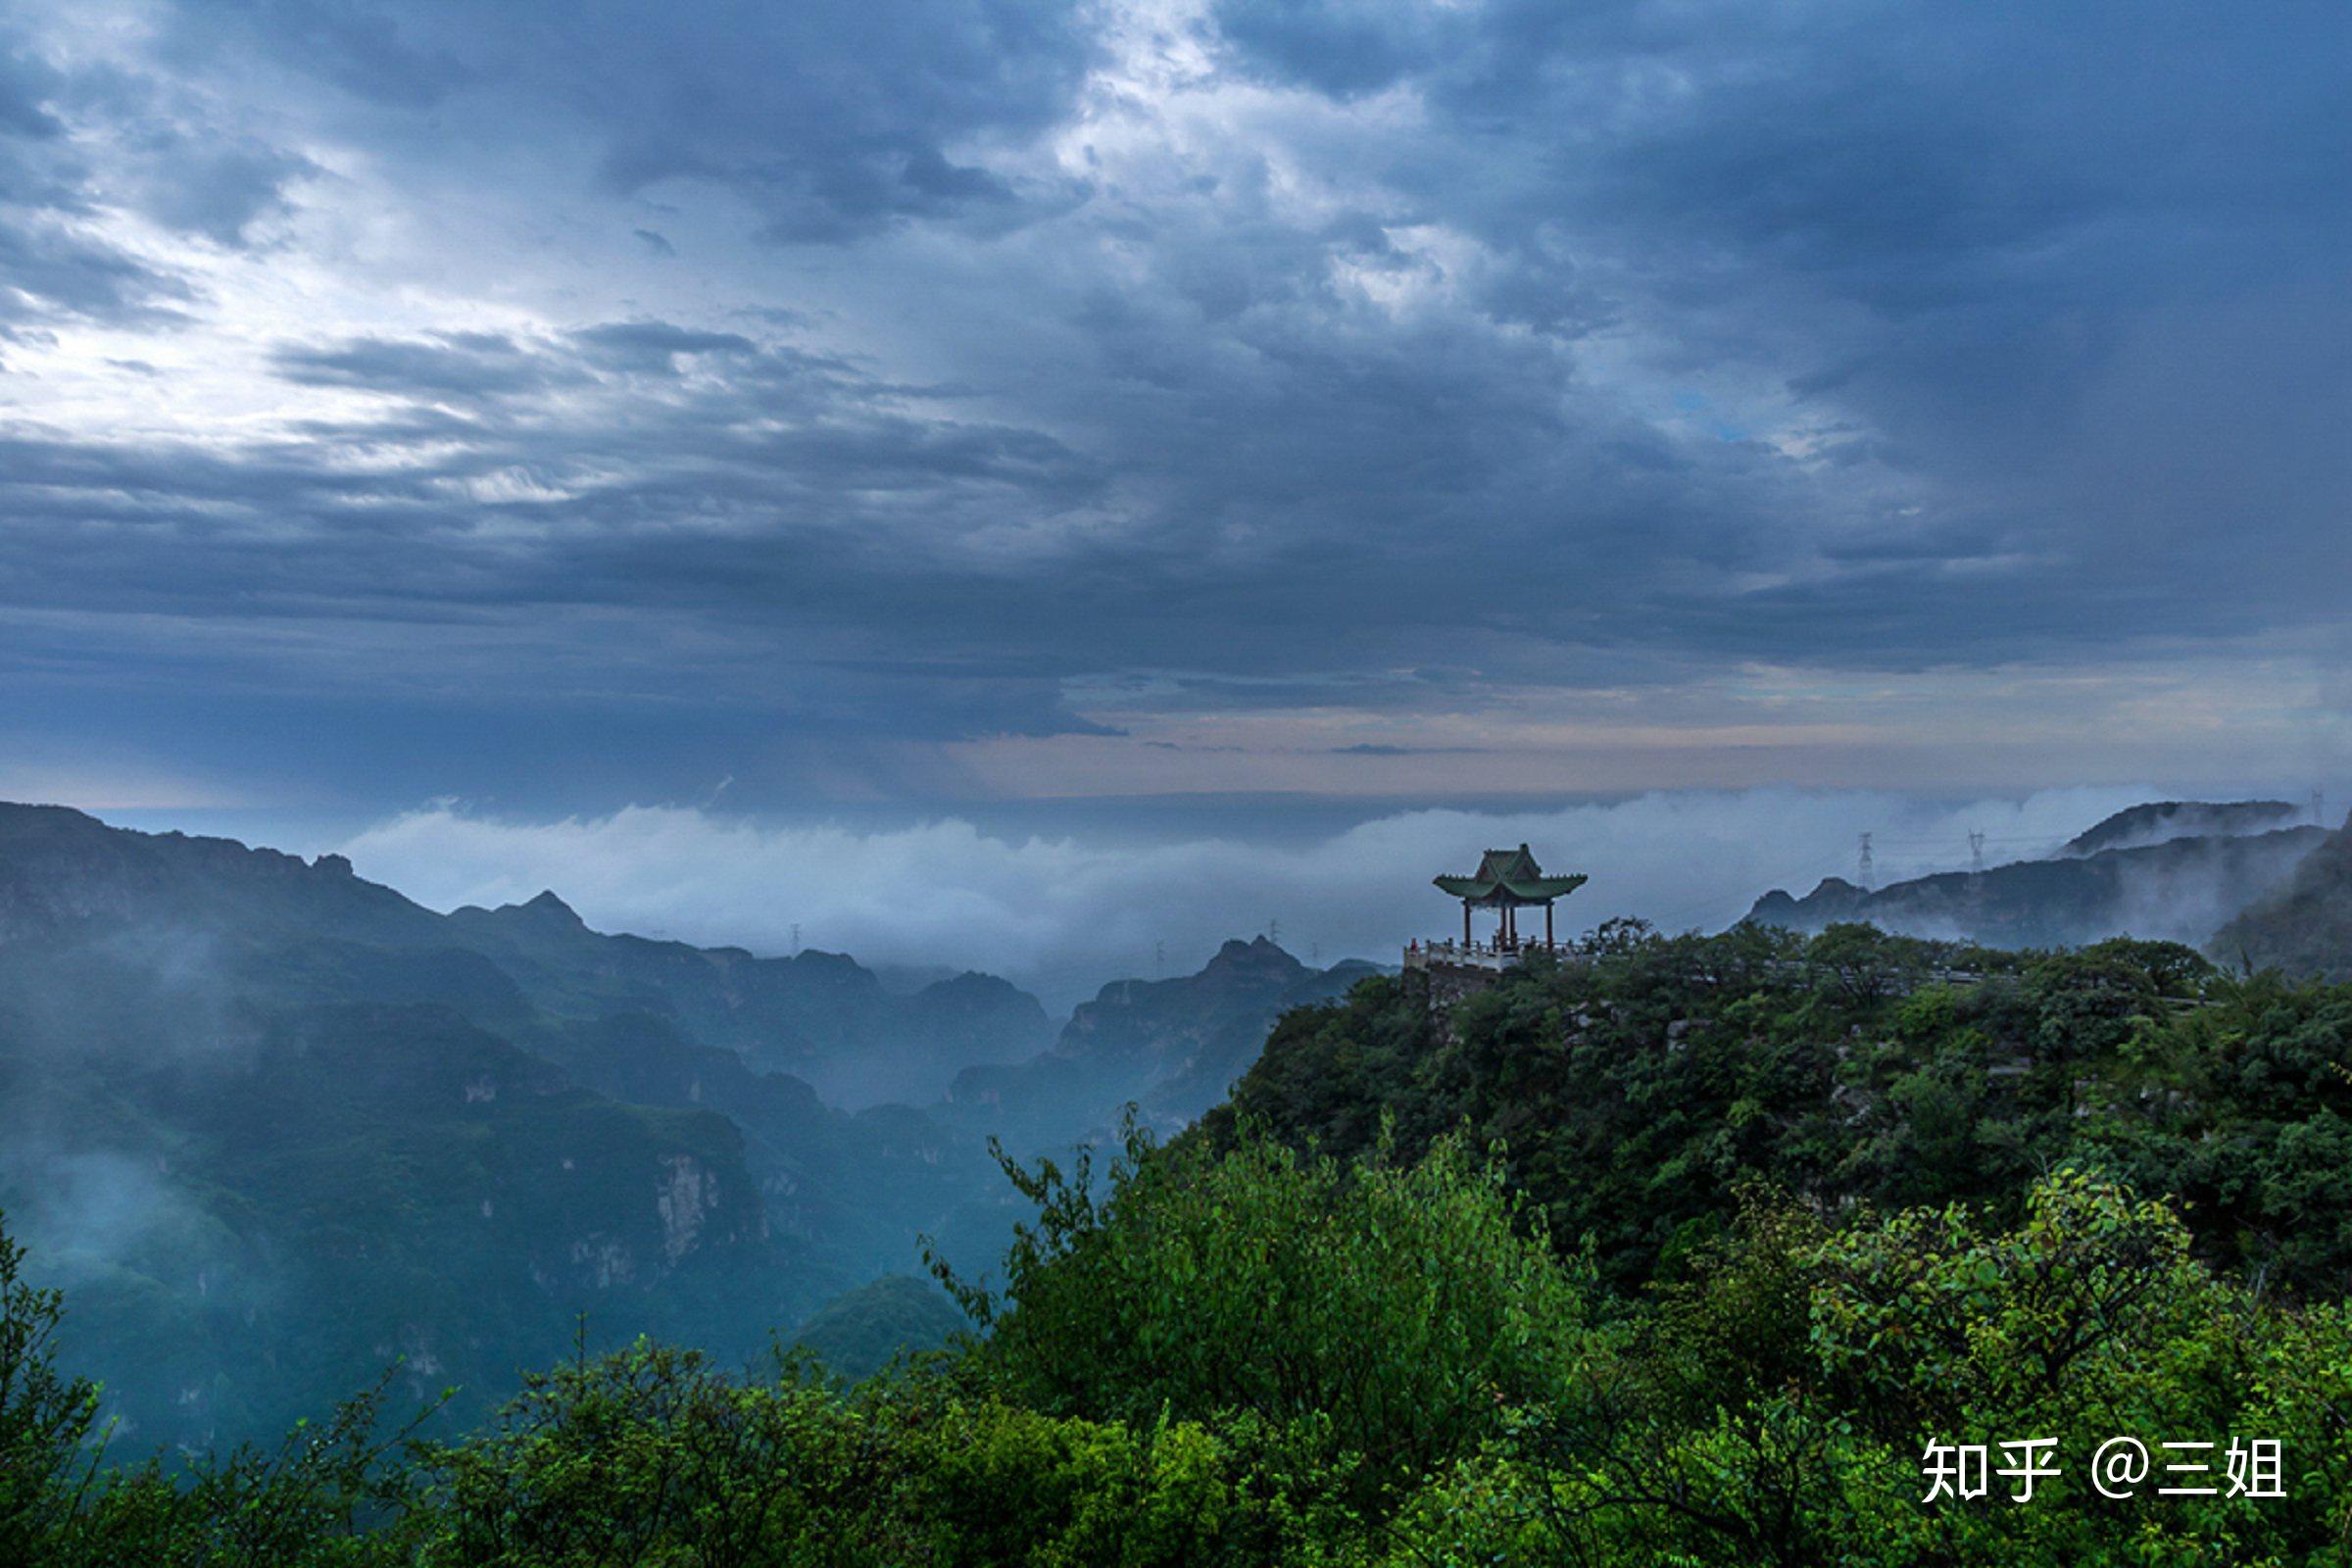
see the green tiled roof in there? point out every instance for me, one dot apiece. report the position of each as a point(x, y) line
point(1510, 876)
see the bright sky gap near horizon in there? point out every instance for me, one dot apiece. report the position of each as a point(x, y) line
point(650, 425)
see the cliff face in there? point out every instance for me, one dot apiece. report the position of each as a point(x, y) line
point(259, 1203)
point(276, 1125)
point(2179, 889)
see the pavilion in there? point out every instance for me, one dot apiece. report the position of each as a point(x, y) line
point(1507, 881)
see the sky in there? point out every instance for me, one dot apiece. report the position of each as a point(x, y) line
point(877, 418)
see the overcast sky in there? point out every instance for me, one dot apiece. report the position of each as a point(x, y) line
point(775, 408)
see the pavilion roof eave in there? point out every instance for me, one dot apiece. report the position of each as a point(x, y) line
point(1511, 891)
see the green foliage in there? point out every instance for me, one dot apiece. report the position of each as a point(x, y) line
point(2085, 1320)
point(45, 1417)
point(1759, 1219)
point(309, 1503)
point(1924, 1318)
point(1392, 1308)
point(860, 1332)
point(651, 1456)
point(1641, 1081)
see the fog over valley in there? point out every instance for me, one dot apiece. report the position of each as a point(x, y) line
point(1173, 783)
point(1061, 913)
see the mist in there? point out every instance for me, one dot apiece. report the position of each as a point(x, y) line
point(1062, 914)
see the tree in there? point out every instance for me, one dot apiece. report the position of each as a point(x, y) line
point(1389, 1310)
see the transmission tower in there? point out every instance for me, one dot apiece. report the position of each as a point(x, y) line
point(1976, 851)
point(1159, 957)
point(1274, 930)
point(2318, 807)
point(796, 936)
point(1862, 864)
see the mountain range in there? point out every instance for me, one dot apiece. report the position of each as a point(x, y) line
point(277, 1127)
point(2304, 925)
point(1171, 1048)
point(2173, 870)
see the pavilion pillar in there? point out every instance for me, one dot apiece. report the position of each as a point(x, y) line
point(1465, 922)
point(1547, 923)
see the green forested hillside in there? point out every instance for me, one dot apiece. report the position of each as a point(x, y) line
point(2304, 927)
point(1685, 1251)
point(277, 1127)
point(1173, 1048)
point(860, 1331)
point(1637, 1089)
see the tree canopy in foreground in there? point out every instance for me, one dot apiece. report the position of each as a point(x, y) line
point(1686, 1251)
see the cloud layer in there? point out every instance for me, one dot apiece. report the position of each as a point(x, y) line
point(985, 397)
point(1067, 912)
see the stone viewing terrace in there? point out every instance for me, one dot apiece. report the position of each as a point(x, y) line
point(1473, 956)
point(1506, 881)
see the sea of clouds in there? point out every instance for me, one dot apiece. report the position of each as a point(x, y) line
point(1065, 913)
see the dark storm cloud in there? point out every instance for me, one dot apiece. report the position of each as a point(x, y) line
point(2076, 270)
point(47, 269)
point(465, 364)
point(795, 499)
point(1491, 346)
point(367, 50)
point(76, 143)
point(830, 118)
point(220, 192)
point(26, 85)
point(657, 346)
point(47, 273)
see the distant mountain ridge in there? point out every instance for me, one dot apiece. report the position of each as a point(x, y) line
point(820, 1015)
point(2161, 821)
point(2173, 870)
point(2304, 926)
point(1173, 1045)
point(279, 1126)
